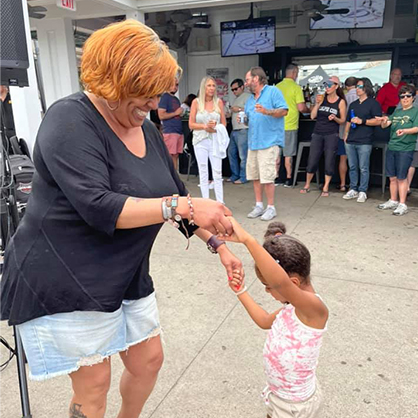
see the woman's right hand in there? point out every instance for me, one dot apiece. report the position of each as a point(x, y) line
point(209, 215)
point(208, 128)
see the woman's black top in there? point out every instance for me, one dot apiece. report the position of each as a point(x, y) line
point(323, 125)
point(67, 254)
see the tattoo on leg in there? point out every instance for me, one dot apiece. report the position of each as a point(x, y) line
point(75, 411)
point(137, 199)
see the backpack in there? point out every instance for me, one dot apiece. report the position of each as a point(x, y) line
point(22, 169)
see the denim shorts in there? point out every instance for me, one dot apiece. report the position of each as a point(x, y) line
point(60, 344)
point(398, 163)
point(341, 147)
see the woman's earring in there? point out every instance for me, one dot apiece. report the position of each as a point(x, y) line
point(113, 108)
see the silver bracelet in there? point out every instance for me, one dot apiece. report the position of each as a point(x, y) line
point(167, 211)
point(241, 291)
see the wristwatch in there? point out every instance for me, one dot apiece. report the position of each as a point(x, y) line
point(174, 206)
point(213, 244)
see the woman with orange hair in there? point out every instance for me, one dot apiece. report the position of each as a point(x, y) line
point(76, 279)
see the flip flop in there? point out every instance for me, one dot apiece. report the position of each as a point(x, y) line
point(237, 182)
point(325, 193)
point(305, 190)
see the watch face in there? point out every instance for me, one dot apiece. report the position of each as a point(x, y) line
point(177, 217)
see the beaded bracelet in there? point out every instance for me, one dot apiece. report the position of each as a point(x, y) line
point(190, 203)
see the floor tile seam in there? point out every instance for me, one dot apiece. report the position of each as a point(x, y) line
point(365, 283)
point(192, 361)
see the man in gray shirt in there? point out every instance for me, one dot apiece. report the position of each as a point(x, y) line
point(238, 146)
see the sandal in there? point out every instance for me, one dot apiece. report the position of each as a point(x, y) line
point(342, 189)
point(325, 193)
point(305, 190)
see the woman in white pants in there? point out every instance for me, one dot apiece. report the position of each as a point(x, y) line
point(206, 112)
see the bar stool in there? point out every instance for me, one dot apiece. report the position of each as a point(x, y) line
point(384, 147)
point(298, 169)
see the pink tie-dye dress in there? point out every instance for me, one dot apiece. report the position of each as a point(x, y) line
point(291, 354)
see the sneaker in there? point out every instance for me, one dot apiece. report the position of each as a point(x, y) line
point(269, 214)
point(256, 212)
point(278, 182)
point(288, 183)
point(351, 194)
point(390, 204)
point(402, 209)
point(211, 185)
point(362, 197)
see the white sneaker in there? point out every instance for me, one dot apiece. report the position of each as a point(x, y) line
point(256, 212)
point(390, 204)
point(269, 214)
point(362, 197)
point(211, 185)
point(402, 209)
point(351, 194)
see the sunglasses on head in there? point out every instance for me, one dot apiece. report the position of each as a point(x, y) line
point(360, 86)
point(236, 88)
point(405, 96)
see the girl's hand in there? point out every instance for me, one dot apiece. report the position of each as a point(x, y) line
point(239, 233)
point(236, 282)
point(208, 214)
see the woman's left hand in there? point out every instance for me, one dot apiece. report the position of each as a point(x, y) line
point(400, 132)
point(331, 116)
point(230, 261)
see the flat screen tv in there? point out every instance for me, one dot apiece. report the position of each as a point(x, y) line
point(362, 14)
point(246, 37)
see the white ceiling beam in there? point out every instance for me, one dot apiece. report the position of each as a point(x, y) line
point(149, 6)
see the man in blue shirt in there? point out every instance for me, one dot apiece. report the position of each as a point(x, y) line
point(265, 111)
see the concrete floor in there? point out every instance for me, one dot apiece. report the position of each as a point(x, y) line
point(365, 266)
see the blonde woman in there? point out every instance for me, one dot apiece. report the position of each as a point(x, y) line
point(206, 112)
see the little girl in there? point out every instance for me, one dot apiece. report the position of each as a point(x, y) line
point(293, 343)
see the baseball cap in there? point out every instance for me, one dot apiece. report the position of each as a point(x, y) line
point(334, 79)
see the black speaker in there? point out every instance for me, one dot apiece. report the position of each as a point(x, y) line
point(13, 48)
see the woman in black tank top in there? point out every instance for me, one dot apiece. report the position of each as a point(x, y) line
point(329, 112)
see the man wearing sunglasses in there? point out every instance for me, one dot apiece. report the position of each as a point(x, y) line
point(238, 146)
point(402, 144)
point(388, 95)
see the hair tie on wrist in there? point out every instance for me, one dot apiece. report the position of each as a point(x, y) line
point(241, 291)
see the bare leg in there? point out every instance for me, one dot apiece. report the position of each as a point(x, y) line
point(269, 190)
point(402, 190)
point(258, 191)
point(90, 386)
point(175, 158)
point(288, 165)
point(342, 168)
point(393, 186)
point(142, 364)
point(309, 177)
point(326, 185)
point(411, 173)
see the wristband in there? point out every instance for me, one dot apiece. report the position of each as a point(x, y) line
point(243, 290)
point(213, 244)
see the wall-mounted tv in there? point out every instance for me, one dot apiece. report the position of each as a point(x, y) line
point(246, 37)
point(361, 14)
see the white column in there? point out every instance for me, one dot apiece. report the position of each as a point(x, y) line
point(25, 101)
point(57, 58)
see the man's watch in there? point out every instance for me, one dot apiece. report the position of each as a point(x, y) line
point(213, 244)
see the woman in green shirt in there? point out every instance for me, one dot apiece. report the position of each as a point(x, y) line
point(403, 139)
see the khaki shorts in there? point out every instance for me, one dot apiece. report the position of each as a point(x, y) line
point(261, 164)
point(279, 408)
